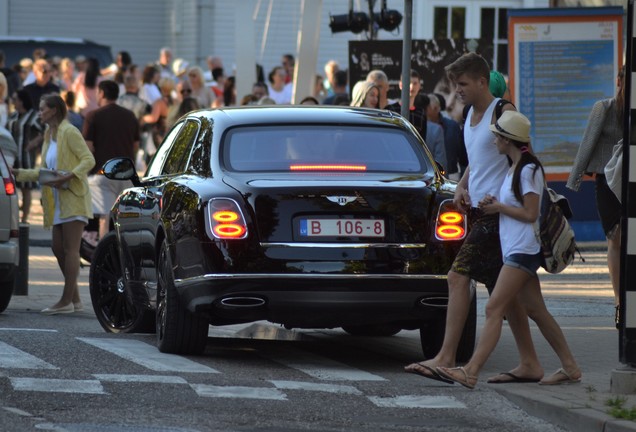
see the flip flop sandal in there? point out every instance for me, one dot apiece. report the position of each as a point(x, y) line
point(565, 378)
point(512, 379)
point(444, 372)
point(431, 375)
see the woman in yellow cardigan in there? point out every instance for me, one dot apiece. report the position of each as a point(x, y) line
point(66, 201)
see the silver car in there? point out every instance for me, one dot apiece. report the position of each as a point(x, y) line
point(9, 232)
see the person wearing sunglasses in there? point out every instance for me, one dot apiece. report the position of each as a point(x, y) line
point(43, 83)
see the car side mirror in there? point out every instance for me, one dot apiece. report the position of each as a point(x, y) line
point(121, 169)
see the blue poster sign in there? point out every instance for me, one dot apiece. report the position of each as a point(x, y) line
point(562, 62)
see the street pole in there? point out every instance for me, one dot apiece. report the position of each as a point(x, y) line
point(307, 50)
point(406, 58)
point(244, 48)
point(627, 330)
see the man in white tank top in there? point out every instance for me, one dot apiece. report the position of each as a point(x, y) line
point(480, 255)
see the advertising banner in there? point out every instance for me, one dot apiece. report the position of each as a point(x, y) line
point(428, 58)
point(561, 62)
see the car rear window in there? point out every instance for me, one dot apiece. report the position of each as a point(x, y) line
point(297, 148)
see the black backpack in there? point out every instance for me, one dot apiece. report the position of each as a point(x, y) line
point(463, 156)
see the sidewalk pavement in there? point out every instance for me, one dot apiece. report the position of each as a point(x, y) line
point(576, 407)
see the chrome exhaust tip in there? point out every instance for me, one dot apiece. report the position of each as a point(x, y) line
point(434, 302)
point(242, 302)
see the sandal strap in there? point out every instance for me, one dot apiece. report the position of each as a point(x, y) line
point(466, 376)
point(562, 371)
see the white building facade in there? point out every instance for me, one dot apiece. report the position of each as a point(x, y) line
point(195, 29)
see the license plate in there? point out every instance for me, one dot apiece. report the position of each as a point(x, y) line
point(342, 227)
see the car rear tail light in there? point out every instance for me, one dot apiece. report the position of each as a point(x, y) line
point(328, 167)
point(9, 186)
point(450, 223)
point(226, 219)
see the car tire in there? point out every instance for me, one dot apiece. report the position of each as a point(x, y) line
point(179, 331)
point(113, 304)
point(7, 282)
point(379, 330)
point(432, 335)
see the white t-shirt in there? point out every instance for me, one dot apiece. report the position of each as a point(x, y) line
point(487, 166)
point(282, 97)
point(517, 236)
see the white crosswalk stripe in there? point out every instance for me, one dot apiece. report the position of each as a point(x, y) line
point(319, 387)
point(57, 385)
point(13, 358)
point(157, 379)
point(238, 392)
point(416, 401)
point(147, 355)
point(329, 373)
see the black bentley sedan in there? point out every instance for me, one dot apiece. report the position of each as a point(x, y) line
point(310, 217)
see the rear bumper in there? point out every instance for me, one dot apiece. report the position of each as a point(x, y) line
point(316, 300)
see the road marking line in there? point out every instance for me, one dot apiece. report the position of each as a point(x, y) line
point(159, 379)
point(206, 390)
point(57, 385)
point(17, 411)
point(28, 330)
point(329, 388)
point(13, 358)
point(147, 355)
point(321, 367)
point(415, 401)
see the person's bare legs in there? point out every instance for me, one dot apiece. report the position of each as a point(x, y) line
point(517, 317)
point(65, 245)
point(533, 299)
point(511, 280)
point(103, 226)
point(459, 297)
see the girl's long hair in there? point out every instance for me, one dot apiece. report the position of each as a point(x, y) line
point(527, 157)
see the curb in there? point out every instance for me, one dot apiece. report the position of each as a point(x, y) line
point(567, 414)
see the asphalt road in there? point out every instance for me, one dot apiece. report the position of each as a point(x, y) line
point(64, 373)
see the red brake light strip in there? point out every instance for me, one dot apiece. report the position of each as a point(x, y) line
point(323, 167)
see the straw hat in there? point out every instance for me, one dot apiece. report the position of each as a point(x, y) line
point(513, 125)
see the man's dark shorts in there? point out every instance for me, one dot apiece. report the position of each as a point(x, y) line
point(479, 258)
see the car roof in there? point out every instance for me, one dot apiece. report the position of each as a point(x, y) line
point(306, 114)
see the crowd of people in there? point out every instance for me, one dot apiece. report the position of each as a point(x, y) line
point(161, 92)
point(62, 111)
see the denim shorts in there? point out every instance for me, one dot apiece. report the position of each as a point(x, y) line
point(528, 263)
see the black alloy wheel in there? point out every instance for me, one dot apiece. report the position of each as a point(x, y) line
point(113, 305)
